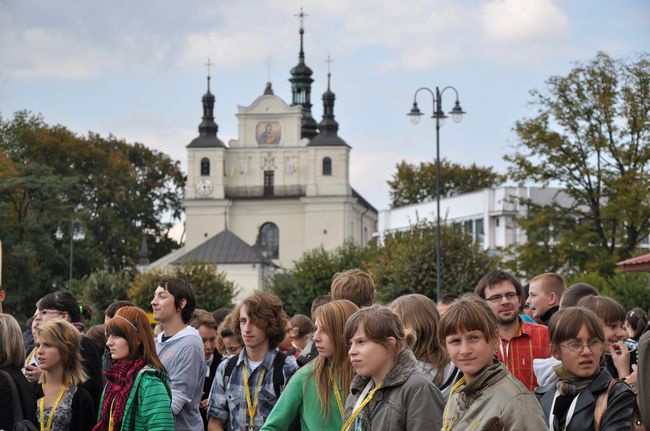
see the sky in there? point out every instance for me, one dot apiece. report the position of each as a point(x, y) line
point(136, 69)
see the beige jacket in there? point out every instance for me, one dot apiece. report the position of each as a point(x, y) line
point(493, 400)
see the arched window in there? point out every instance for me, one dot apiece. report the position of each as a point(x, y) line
point(327, 166)
point(268, 240)
point(205, 166)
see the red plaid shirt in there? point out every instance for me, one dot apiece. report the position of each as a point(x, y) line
point(530, 342)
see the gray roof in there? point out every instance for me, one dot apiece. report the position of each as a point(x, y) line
point(224, 248)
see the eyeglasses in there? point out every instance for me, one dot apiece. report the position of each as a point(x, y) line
point(231, 350)
point(498, 298)
point(577, 346)
point(47, 312)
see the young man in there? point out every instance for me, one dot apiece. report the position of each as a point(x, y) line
point(246, 387)
point(180, 349)
point(544, 296)
point(354, 285)
point(519, 342)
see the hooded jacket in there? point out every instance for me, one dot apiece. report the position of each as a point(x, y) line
point(493, 400)
point(183, 358)
point(617, 416)
point(407, 400)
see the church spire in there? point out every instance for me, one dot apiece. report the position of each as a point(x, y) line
point(301, 86)
point(329, 127)
point(208, 128)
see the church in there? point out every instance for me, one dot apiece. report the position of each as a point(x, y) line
point(282, 188)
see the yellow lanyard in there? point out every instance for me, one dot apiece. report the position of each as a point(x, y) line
point(356, 411)
point(56, 404)
point(445, 421)
point(111, 425)
point(337, 394)
point(31, 356)
point(252, 405)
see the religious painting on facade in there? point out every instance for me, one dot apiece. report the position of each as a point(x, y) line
point(268, 133)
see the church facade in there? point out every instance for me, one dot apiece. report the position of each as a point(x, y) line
point(282, 187)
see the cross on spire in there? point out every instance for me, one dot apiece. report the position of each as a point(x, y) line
point(269, 63)
point(302, 14)
point(208, 64)
point(329, 60)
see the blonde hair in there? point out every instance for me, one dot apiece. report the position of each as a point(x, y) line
point(421, 320)
point(332, 318)
point(66, 338)
point(12, 349)
point(551, 282)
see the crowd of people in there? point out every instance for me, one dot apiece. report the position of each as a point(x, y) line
point(504, 357)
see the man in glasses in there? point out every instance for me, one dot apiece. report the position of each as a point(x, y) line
point(520, 342)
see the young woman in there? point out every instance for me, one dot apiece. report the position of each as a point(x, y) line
point(62, 404)
point(137, 395)
point(317, 391)
point(420, 319)
point(12, 355)
point(487, 396)
point(387, 392)
point(578, 341)
point(620, 355)
point(63, 305)
point(636, 321)
point(301, 329)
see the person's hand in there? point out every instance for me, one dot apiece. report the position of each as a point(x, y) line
point(33, 373)
point(631, 379)
point(621, 358)
point(203, 405)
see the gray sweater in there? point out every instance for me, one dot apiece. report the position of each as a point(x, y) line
point(182, 356)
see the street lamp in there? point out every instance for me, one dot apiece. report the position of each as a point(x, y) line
point(456, 115)
point(76, 232)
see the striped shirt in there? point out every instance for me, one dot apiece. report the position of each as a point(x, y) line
point(530, 342)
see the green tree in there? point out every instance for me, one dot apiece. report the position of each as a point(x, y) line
point(415, 183)
point(311, 275)
point(407, 262)
point(631, 289)
point(100, 289)
point(590, 136)
point(212, 289)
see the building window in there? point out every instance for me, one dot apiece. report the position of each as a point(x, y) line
point(268, 240)
point(327, 166)
point(269, 180)
point(479, 231)
point(205, 166)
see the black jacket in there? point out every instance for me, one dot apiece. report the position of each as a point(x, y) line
point(84, 413)
point(25, 393)
point(617, 416)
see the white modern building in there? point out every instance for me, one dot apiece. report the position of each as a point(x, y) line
point(282, 188)
point(488, 215)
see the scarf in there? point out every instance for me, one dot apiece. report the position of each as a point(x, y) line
point(119, 381)
point(570, 384)
point(489, 375)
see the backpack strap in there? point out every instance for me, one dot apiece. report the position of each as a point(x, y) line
point(18, 411)
point(601, 405)
point(278, 372)
point(230, 366)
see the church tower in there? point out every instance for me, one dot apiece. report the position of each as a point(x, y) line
point(301, 87)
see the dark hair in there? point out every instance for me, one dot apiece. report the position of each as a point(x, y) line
point(379, 323)
point(468, 313)
point(180, 289)
point(264, 311)
point(302, 324)
point(61, 301)
point(607, 309)
point(637, 319)
point(321, 300)
point(220, 313)
point(566, 323)
point(97, 335)
point(449, 298)
point(203, 318)
point(496, 277)
point(575, 293)
point(354, 285)
point(116, 305)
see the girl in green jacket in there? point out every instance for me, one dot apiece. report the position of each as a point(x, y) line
point(137, 394)
point(318, 390)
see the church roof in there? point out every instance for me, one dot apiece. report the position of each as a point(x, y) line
point(364, 202)
point(224, 248)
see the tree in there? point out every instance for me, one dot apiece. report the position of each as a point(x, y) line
point(407, 262)
point(311, 275)
point(211, 288)
point(99, 289)
point(412, 184)
point(591, 137)
point(629, 288)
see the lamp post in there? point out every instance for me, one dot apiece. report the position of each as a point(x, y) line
point(457, 115)
point(76, 232)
